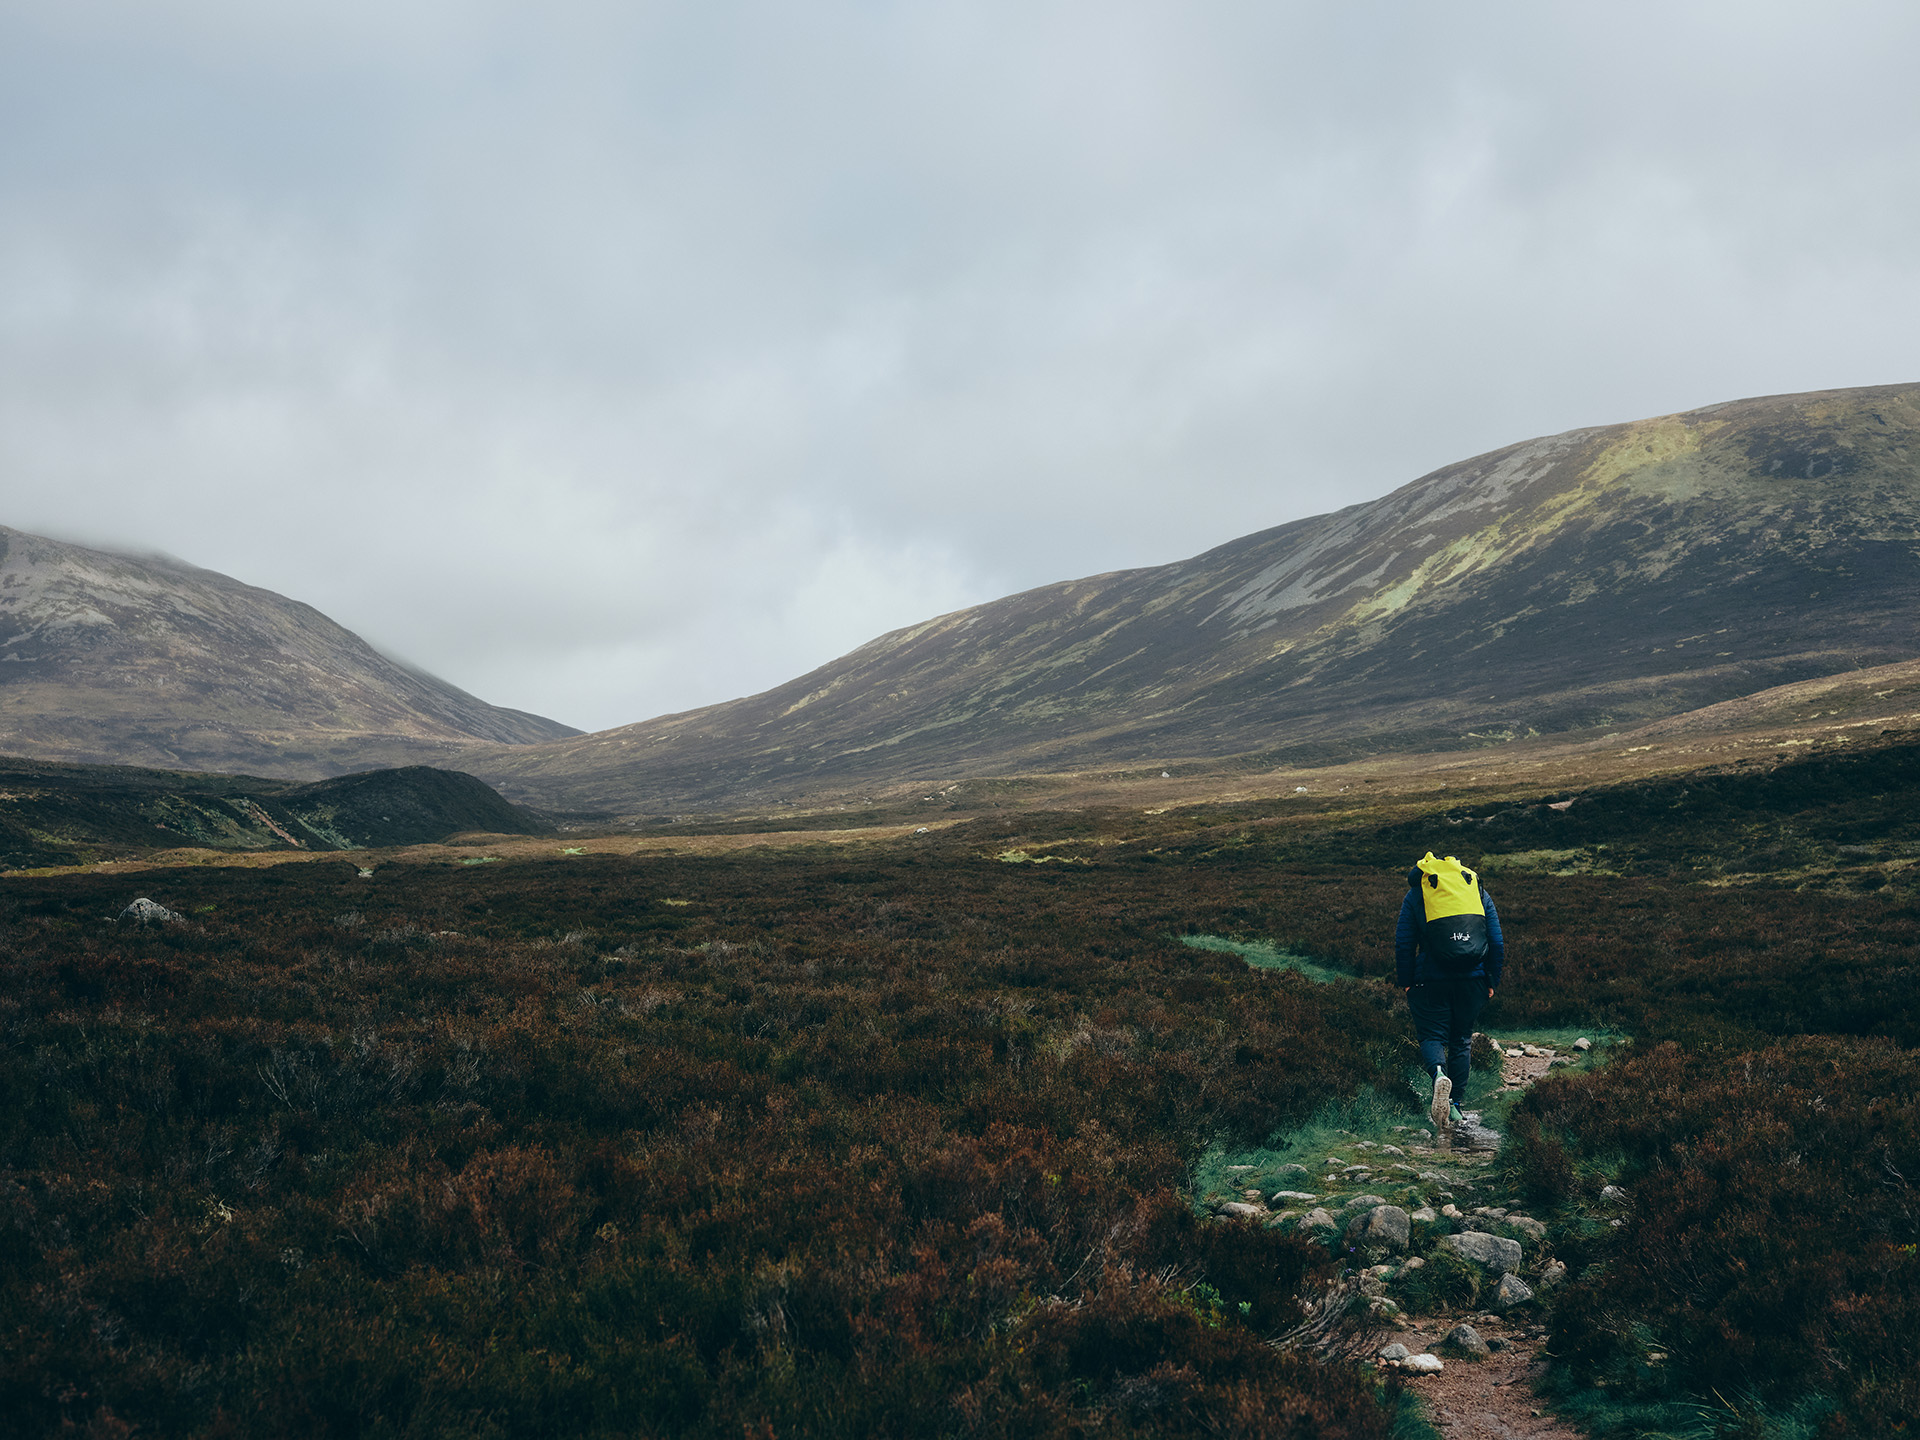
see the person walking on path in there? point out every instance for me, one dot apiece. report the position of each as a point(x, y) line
point(1448, 955)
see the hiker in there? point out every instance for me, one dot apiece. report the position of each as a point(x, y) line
point(1448, 954)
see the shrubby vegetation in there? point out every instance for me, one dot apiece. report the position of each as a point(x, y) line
point(1766, 1253)
point(824, 1147)
point(902, 1140)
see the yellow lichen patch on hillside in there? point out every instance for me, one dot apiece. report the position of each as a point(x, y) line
point(1647, 445)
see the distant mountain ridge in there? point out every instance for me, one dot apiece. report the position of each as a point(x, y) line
point(1601, 577)
point(145, 660)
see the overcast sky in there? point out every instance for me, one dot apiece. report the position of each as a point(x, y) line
point(612, 359)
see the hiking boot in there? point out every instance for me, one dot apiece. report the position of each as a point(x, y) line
point(1454, 1117)
point(1443, 1110)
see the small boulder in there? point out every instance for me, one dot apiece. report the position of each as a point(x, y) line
point(1395, 1351)
point(1423, 1364)
point(1367, 1202)
point(1292, 1172)
point(146, 912)
point(1551, 1274)
point(1612, 1192)
point(1383, 1225)
point(1491, 1253)
point(1450, 1210)
point(1512, 1291)
point(1294, 1195)
point(1425, 1215)
point(1465, 1340)
point(1415, 1263)
point(1319, 1219)
point(1583, 1043)
point(1239, 1210)
point(1527, 1226)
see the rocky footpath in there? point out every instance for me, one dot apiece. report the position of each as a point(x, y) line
point(1429, 1232)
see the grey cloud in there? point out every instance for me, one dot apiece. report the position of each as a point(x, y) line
point(613, 359)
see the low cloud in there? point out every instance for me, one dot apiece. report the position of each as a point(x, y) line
point(619, 359)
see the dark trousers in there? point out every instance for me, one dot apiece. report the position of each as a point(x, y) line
point(1444, 1012)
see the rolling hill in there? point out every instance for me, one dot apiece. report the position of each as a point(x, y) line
point(1596, 579)
point(144, 660)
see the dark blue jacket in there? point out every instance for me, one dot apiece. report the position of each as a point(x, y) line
point(1414, 968)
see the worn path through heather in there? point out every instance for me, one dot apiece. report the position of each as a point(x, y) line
point(1491, 1398)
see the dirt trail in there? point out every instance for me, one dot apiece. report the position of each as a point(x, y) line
point(1490, 1399)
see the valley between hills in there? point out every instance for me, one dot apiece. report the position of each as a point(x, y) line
point(997, 1033)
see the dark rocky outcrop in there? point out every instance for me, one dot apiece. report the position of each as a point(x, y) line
point(53, 814)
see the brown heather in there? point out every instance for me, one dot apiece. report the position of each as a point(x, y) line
point(869, 1147)
point(895, 1141)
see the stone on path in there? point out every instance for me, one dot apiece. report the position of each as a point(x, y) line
point(1513, 1291)
point(1423, 1364)
point(1395, 1351)
point(1382, 1225)
point(1466, 1339)
point(1490, 1252)
point(1528, 1227)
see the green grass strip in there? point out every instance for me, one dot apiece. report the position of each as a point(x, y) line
point(1264, 955)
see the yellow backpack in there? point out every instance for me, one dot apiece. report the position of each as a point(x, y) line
point(1456, 915)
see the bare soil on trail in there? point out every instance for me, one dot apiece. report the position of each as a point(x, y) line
point(1489, 1399)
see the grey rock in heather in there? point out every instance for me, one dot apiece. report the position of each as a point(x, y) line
point(1319, 1219)
point(146, 912)
point(1511, 1292)
point(1551, 1274)
point(1292, 1172)
point(1385, 1225)
point(1239, 1210)
point(1491, 1253)
point(1425, 1215)
point(1367, 1202)
point(1395, 1351)
point(1467, 1341)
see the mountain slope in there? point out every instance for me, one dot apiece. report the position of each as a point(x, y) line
point(1600, 577)
point(127, 659)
